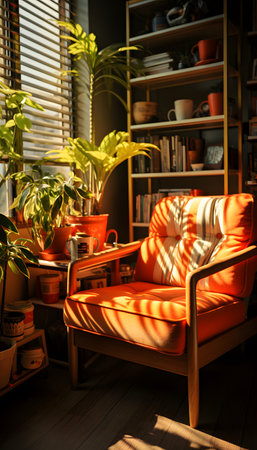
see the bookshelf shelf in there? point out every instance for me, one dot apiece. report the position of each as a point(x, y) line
point(183, 76)
point(198, 173)
point(195, 123)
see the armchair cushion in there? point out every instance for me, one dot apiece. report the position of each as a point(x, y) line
point(188, 232)
point(151, 315)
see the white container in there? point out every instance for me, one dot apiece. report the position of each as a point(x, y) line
point(32, 358)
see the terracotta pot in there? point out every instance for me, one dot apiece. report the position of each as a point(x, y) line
point(94, 225)
point(57, 250)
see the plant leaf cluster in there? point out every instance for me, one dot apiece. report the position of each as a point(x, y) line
point(105, 68)
point(46, 199)
point(112, 151)
point(15, 123)
point(13, 251)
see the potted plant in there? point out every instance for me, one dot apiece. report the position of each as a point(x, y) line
point(13, 253)
point(103, 67)
point(46, 200)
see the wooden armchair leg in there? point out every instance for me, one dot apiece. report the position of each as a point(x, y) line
point(73, 358)
point(193, 396)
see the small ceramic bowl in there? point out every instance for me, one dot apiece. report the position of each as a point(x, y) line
point(198, 166)
point(144, 112)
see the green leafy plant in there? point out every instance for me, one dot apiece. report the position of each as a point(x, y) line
point(112, 151)
point(15, 124)
point(13, 253)
point(105, 68)
point(46, 199)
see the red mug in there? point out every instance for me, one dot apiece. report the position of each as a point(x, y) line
point(207, 49)
point(215, 102)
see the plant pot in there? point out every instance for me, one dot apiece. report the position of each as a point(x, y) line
point(57, 249)
point(7, 352)
point(91, 225)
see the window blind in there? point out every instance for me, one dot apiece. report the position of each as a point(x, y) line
point(32, 57)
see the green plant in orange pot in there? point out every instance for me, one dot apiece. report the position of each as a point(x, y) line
point(106, 69)
point(45, 199)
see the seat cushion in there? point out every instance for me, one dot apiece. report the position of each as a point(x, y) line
point(187, 232)
point(151, 315)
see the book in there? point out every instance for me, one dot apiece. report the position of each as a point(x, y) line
point(156, 154)
point(165, 154)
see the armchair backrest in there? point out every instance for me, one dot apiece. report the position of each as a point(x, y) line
point(187, 232)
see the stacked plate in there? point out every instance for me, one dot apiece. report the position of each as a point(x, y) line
point(159, 62)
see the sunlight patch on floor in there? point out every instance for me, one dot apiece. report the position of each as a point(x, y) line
point(168, 434)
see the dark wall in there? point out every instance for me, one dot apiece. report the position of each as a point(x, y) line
point(109, 26)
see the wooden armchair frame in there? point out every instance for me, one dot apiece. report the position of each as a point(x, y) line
point(195, 357)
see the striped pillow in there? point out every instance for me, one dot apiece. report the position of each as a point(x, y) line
point(187, 232)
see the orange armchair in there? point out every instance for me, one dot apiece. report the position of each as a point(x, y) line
point(186, 305)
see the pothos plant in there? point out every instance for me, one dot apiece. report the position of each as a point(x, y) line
point(13, 253)
point(15, 123)
point(104, 68)
point(46, 199)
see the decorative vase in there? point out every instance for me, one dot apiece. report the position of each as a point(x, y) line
point(7, 352)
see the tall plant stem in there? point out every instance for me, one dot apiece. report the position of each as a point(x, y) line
point(91, 110)
point(3, 298)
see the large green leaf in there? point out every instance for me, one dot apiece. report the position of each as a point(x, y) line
point(7, 223)
point(3, 236)
point(22, 121)
point(56, 207)
point(28, 254)
point(20, 264)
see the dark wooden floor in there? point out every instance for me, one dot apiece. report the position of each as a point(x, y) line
point(125, 406)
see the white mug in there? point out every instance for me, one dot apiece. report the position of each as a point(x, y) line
point(183, 109)
point(81, 245)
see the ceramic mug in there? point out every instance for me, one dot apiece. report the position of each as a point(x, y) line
point(183, 109)
point(215, 103)
point(81, 245)
point(207, 49)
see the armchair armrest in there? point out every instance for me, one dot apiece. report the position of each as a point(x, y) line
point(112, 254)
point(209, 269)
point(191, 306)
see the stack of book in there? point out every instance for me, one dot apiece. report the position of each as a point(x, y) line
point(159, 62)
point(145, 203)
point(173, 155)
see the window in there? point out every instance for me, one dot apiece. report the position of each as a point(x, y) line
point(32, 56)
point(42, 55)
